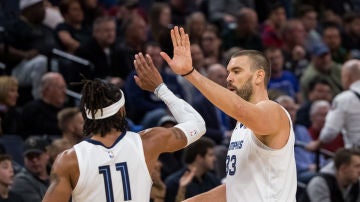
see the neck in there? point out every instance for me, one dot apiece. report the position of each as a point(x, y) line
point(4, 191)
point(76, 25)
point(134, 44)
point(109, 138)
point(342, 181)
point(47, 101)
point(259, 96)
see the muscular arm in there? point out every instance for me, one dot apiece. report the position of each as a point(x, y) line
point(218, 194)
point(64, 175)
point(264, 118)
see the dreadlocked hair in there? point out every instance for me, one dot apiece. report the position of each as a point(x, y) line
point(96, 95)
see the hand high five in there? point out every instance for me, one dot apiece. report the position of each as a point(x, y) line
point(181, 63)
point(148, 77)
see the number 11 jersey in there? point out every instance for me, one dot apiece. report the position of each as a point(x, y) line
point(112, 174)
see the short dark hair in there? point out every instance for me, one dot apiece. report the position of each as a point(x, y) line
point(65, 5)
point(317, 80)
point(4, 157)
point(343, 156)
point(96, 95)
point(259, 61)
point(65, 116)
point(304, 9)
point(199, 147)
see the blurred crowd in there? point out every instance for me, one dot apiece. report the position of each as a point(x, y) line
point(48, 46)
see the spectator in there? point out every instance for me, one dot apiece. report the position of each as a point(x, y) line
point(211, 45)
point(200, 155)
point(245, 35)
point(9, 115)
point(195, 26)
point(91, 10)
point(71, 123)
point(319, 89)
point(332, 38)
point(6, 180)
point(308, 16)
point(223, 12)
point(321, 66)
point(340, 182)
point(318, 112)
point(71, 33)
point(351, 34)
point(159, 21)
point(32, 181)
point(158, 189)
point(345, 111)
point(39, 116)
point(31, 42)
point(272, 27)
point(293, 34)
point(101, 51)
point(282, 80)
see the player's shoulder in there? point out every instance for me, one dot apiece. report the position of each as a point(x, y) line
point(66, 160)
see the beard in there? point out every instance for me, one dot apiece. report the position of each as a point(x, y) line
point(245, 91)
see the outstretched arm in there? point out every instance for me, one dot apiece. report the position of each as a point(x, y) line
point(268, 113)
point(64, 167)
point(190, 127)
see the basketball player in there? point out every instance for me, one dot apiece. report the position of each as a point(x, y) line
point(114, 164)
point(260, 163)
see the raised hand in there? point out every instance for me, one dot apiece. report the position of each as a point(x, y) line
point(181, 63)
point(148, 77)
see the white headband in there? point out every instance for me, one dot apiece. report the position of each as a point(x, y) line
point(107, 111)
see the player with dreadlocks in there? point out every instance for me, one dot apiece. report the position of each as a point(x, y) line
point(114, 164)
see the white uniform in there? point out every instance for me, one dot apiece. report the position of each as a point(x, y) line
point(112, 174)
point(344, 115)
point(258, 173)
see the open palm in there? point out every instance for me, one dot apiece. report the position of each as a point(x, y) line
point(181, 63)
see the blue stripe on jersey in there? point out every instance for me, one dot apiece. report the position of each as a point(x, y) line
point(95, 142)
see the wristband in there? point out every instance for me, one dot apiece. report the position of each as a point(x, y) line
point(193, 68)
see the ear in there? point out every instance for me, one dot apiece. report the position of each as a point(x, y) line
point(259, 76)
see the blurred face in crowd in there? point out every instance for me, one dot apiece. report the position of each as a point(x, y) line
point(240, 77)
point(12, 96)
point(276, 59)
point(298, 33)
point(6, 173)
point(208, 161)
point(352, 170)
point(322, 62)
point(154, 52)
point(355, 27)
point(36, 162)
point(198, 24)
point(278, 17)
point(75, 13)
point(321, 92)
point(91, 3)
point(210, 42)
point(318, 117)
point(218, 74)
point(55, 92)
point(137, 31)
point(105, 33)
point(76, 125)
point(331, 37)
point(165, 16)
point(35, 13)
point(291, 107)
point(197, 56)
point(309, 20)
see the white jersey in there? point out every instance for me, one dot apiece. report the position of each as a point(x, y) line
point(258, 173)
point(112, 174)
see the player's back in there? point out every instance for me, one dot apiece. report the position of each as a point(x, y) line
point(112, 174)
